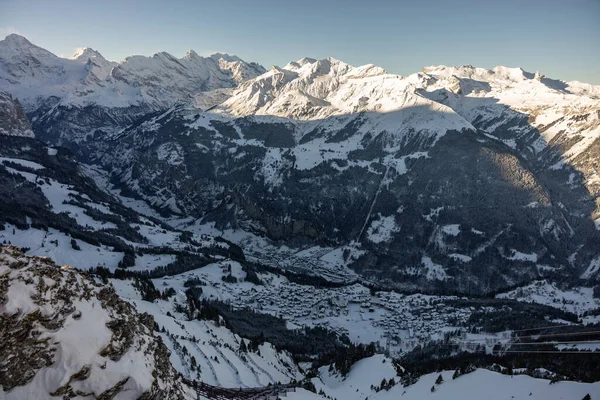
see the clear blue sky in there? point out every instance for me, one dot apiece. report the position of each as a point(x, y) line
point(560, 38)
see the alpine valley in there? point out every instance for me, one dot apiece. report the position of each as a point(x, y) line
point(201, 227)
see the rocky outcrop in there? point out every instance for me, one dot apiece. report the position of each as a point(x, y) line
point(13, 121)
point(64, 334)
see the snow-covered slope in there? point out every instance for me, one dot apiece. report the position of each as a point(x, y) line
point(65, 335)
point(552, 123)
point(218, 360)
point(329, 92)
point(311, 89)
point(368, 373)
point(563, 112)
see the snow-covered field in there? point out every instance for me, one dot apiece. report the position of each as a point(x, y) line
point(577, 300)
point(474, 386)
point(57, 246)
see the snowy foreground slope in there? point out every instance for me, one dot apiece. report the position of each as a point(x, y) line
point(215, 349)
point(474, 386)
point(65, 335)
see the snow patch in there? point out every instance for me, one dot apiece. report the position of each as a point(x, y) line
point(382, 228)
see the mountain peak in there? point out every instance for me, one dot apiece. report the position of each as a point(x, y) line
point(498, 73)
point(19, 40)
point(85, 53)
point(17, 47)
point(224, 56)
point(322, 66)
point(296, 65)
point(191, 54)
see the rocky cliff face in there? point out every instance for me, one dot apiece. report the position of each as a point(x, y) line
point(13, 121)
point(64, 334)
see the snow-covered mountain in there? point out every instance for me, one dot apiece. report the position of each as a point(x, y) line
point(33, 75)
point(454, 172)
point(429, 183)
point(70, 98)
point(555, 125)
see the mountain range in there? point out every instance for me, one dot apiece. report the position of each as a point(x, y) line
point(451, 179)
point(236, 232)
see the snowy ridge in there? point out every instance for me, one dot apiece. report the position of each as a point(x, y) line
point(33, 74)
point(563, 112)
point(315, 90)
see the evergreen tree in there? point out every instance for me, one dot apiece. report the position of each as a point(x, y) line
point(439, 380)
point(74, 245)
point(456, 374)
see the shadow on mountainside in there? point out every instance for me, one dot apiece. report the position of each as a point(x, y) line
point(469, 211)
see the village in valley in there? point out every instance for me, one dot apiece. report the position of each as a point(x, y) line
point(397, 323)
